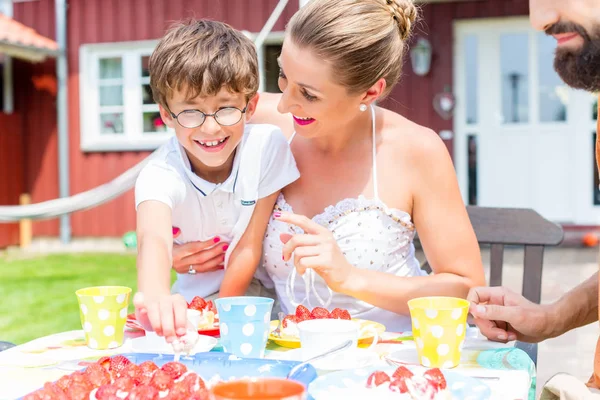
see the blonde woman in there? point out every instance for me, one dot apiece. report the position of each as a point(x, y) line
point(369, 177)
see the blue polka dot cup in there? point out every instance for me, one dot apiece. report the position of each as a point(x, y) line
point(244, 324)
point(103, 313)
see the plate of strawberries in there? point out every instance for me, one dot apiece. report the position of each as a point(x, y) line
point(404, 382)
point(290, 337)
point(209, 318)
point(151, 376)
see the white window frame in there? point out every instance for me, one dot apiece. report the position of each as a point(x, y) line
point(133, 138)
point(272, 38)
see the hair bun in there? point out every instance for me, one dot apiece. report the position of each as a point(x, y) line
point(404, 13)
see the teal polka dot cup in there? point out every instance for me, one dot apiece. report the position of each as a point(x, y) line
point(244, 324)
point(103, 313)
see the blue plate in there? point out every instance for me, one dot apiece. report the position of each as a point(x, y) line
point(228, 366)
point(461, 386)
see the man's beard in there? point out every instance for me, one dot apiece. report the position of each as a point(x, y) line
point(579, 69)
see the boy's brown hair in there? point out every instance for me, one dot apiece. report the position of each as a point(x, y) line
point(201, 57)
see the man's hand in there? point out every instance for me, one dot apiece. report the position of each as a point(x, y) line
point(503, 315)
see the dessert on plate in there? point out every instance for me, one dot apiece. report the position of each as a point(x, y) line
point(289, 324)
point(208, 312)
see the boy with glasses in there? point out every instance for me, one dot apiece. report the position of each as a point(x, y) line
point(217, 179)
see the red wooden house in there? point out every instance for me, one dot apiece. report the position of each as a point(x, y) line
point(518, 137)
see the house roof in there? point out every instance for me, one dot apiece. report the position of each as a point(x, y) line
point(20, 41)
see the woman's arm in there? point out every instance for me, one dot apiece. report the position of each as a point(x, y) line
point(445, 233)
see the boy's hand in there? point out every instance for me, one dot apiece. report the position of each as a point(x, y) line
point(164, 314)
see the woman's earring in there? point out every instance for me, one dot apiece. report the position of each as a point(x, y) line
point(363, 107)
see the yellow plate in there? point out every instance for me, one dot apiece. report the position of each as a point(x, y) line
point(293, 341)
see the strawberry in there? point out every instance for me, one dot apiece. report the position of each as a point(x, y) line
point(143, 392)
point(287, 318)
point(200, 395)
point(104, 362)
point(124, 384)
point(190, 381)
point(210, 306)
point(64, 382)
point(148, 368)
point(134, 372)
point(302, 313)
point(107, 392)
point(319, 313)
point(81, 379)
point(399, 385)
point(436, 379)
point(79, 391)
point(117, 364)
point(161, 381)
point(198, 304)
point(377, 378)
point(402, 372)
point(338, 313)
point(97, 375)
point(174, 369)
point(55, 392)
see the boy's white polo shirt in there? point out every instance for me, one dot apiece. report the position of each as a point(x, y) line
point(263, 164)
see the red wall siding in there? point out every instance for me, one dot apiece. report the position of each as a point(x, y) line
point(11, 171)
point(95, 21)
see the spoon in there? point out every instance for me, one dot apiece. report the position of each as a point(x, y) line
point(329, 352)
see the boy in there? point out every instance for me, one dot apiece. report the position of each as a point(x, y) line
point(218, 178)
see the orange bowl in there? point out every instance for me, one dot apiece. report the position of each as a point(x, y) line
point(259, 389)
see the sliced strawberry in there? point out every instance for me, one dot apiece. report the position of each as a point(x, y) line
point(200, 395)
point(37, 395)
point(210, 306)
point(319, 313)
point(55, 392)
point(436, 379)
point(106, 392)
point(191, 380)
point(79, 391)
point(81, 379)
point(64, 382)
point(148, 368)
point(134, 372)
point(124, 384)
point(143, 392)
point(377, 378)
point(198, 304)
point(174, 369)
point(402, 372)
point(288, 318)
point(117, 364)
point(161, 380)
point(339, 313)
point(104, 362)
point(302, 313)
point(399, 385)
point(97, 375)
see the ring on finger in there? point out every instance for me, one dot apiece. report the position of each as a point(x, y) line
point(191, 270)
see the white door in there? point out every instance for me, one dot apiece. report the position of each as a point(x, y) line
point(523, 138)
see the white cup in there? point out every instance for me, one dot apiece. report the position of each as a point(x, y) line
point(317, 336)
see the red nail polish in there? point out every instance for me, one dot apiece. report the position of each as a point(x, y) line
point(277, 214)
point(217, 240)
point(283, 258)
point(225, 247)
point(175, 230)
point(222, 267)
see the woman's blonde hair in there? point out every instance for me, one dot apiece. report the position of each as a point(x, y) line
point(364, 40)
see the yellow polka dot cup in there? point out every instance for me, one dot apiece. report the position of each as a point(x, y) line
point(103, 313)
point(439, 328)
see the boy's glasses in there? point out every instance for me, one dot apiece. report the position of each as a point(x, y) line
point(226, 116)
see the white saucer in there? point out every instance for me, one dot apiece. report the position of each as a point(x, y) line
point(349, 359)
point(152, 343)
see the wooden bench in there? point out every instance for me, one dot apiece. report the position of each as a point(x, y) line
point(500, 227)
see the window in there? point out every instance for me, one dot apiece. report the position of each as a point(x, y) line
point(117, 109)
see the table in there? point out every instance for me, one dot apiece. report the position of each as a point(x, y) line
point(508, 371)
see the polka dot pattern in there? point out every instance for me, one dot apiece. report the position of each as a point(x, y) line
point(439, 325)
point(244, 324)
point(103, 313)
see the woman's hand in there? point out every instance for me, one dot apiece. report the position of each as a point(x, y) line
point(316, 249)
point(202, 256)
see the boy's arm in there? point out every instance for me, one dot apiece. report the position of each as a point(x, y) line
point(245, 257)
point(155, 240)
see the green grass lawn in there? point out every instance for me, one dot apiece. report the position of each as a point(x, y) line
point(37, 295)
